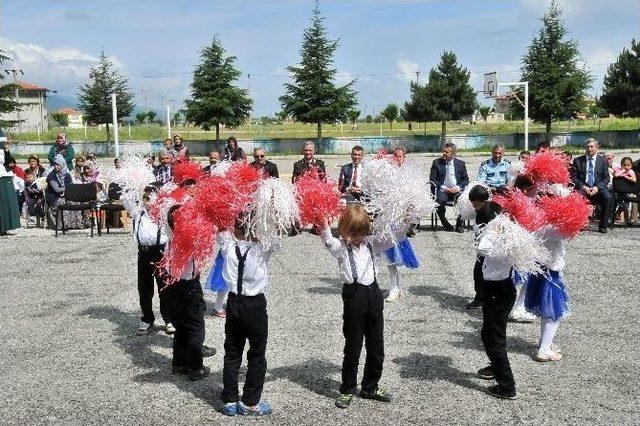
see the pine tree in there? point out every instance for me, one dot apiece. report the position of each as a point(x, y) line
point(94, 98)
point(7, 95)
point(313, 97)
point(621, 92)
point(446, 96)
point(557, 85)
point(215, 98)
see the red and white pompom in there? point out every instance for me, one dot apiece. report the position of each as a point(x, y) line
point(318, 199)
point(187, 170)
point(569, 215)
point(522, 209)
point(547, 167)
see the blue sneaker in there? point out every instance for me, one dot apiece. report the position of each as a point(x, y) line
point(257, 410)
point(230, 409)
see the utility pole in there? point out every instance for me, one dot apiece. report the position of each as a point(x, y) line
point(114, 112)
point(417, 77)
point(17, 94)
point(249, 78)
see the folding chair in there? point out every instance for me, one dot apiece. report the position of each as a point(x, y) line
point(114, 191)
point(82, 193)
point(623, 191)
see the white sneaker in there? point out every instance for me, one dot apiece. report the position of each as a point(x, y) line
point(520, 315)
point(144, 328)
point(393, 295)
point(547, 356)
point(169, 328)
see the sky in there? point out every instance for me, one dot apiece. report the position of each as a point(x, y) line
point(156, 44)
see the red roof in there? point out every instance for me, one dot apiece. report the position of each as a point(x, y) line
point(69, 111)
point(33, 87)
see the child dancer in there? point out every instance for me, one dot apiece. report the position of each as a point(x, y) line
point(400, 254)
point(362, 301)
point(246, 274)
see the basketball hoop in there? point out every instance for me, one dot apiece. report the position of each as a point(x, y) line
point(490, 87)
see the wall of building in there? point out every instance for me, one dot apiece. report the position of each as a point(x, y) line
point(33, 114)
point(613, 139)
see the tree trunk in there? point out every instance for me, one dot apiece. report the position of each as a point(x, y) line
point(217, 132)
point(319, 134)
point(108, 139)
point(547, 136)
point(443, 134)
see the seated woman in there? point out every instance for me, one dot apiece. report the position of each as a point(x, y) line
point(35, 167)
point(57, 181)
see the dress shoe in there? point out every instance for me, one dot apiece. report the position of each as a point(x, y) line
point(602, 230)
point(199, 374)
point(207, 351)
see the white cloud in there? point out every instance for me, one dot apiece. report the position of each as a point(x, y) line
point(407, 69)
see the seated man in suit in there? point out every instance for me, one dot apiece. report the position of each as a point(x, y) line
point(260, 162)
point(494, 172)
point(164, 171)
point(591, 177)
point(308, 162)
point(214, 159)
point(349, 181)
point(449, 178)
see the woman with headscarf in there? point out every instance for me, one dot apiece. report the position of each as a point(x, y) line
point(233, 152)
point(57, 181)
point(9, 211)
point(64, 148)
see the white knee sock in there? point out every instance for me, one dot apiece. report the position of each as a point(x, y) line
point(394, 278)
point(548, 330)
point(221, 297)
point(522, 292)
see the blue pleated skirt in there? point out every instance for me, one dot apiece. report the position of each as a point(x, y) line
point(215, 282)
point(519, 279)
point(402, 254)
point(546, 296)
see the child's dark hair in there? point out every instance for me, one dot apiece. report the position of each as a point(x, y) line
point(522, 182)
point(478, 193)
point(170, 220)
point(543, 145)
point(625, 159)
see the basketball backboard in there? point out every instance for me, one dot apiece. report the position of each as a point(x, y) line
point(490, 87)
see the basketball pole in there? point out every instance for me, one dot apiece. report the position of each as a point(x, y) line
point(525, 105)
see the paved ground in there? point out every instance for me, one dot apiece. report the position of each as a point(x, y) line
point(69, 354)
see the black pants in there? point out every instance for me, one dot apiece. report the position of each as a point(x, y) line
point(478, 280)
point(362, 319)
point(147, 271)
point(498, 302)
point(246, 320)
point(187, 308)
point(442, 198)
point(604, 199)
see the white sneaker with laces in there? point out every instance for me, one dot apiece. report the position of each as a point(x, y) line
point(547, 356)
point(393, 295)
point(144, 328)
point(520, 315)
point(169, 328)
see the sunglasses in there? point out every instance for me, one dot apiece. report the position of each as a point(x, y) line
point(259, 156)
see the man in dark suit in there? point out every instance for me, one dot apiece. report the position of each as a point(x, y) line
point(448, 179)
point(590, 177)
point(349, 180)
point(308, 162)
point(260, 162)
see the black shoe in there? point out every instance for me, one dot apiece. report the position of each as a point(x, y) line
point(460, 229)
point(448, 227)
point(207, 351)
point(378, 394)
point(474, 304)
point(602, 230)
point(344, 400)
point(179, 369)
point(499, 392)
point(199, 374)
point(486, 373)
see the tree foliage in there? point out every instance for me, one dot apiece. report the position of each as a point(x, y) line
point(621, 92)
point(141, 117)
point(7, 95)
point(446, 96)
point(216, 99)
point(390, 113)
point(557, 84)
point(94, 98)
point(313, 97)
point(60, 118)
point(484, 112)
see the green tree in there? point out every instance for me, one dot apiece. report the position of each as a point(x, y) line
point(151, 116)
point(484, 112)
point(390, 113)
point(282, 116)
point(369, 118)
point(446, 96)
point(216, 99)
point(141, 117)
point(94, 98)
point(313, 97)
point(353, 115)
point(177, 118)
point(7, 95)
point(557, 84)
point(621, 92)
point(60, 118)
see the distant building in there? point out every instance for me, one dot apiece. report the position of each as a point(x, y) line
point(502, 104)
point(33, 112)
point(74, 116)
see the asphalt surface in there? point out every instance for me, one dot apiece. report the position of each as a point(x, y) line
point(69, 353)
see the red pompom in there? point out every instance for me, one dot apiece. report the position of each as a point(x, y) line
point(318, 199)
point(193, 240)
point(522, 209)
point(547, 167)
point(185, 170)
point(164, 200)
point(569, 215)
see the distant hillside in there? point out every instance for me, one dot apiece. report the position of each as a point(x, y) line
point(56, 101)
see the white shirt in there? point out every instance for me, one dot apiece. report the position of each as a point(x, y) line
point(364, 262)
point(553, 242)
point(255, 276)
point(145, 231)
point(450, 176)
point(493, 268)
point(358, 168)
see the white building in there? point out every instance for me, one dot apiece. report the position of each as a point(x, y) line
point(33, 111)
point(74, 116)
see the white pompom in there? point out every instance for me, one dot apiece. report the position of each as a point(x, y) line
point(133, 175)
point(463, 205)
point(559, 190)
point(222, 168)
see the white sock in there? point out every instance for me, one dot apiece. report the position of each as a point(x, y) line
point(548, 330)
point(522, 292)
point(394, 278)
point(221, 297)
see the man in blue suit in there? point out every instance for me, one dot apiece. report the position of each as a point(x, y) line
point(448, 179)
point(590, 177)
point(349, 181)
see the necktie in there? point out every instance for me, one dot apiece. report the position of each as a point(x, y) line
point(590, 177)
point(354, 179)
point(241, 259)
